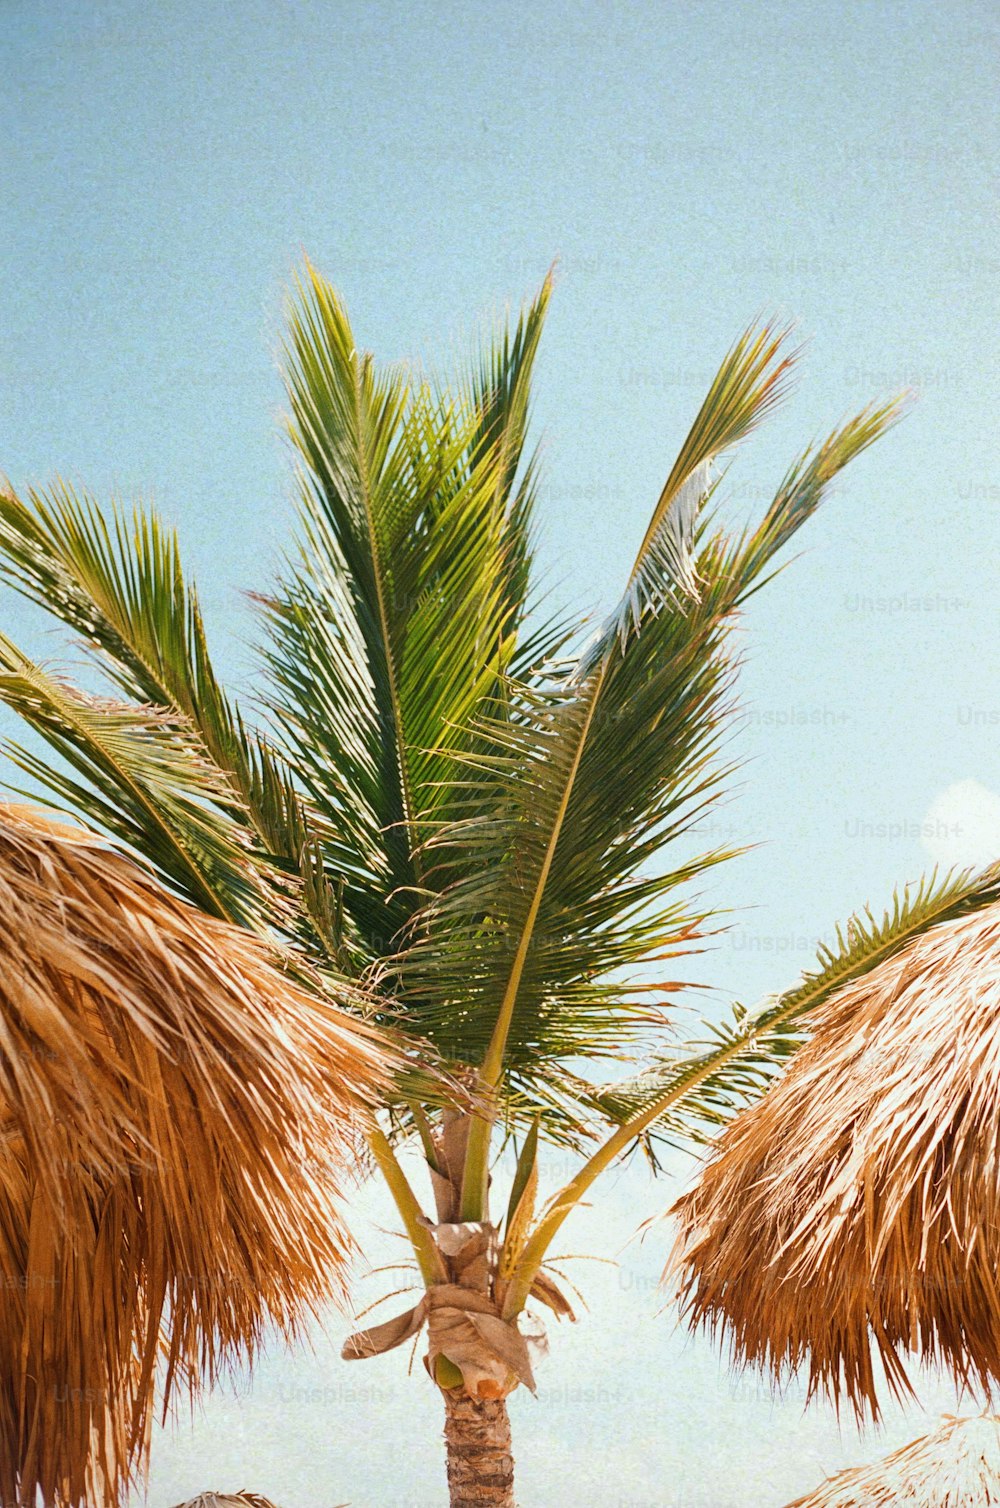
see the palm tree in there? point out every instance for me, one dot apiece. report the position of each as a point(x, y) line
point(449, 798)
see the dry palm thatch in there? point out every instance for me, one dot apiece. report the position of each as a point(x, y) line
point(958, 1466)
point(174, 1114)
point(228, 1500)
point(858, 1202)
point(233, 1500)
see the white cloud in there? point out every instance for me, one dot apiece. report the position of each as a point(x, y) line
point(962, 825)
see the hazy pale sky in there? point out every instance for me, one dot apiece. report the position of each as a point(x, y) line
point(162, 170)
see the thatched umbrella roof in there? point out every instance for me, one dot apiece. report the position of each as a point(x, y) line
point(232, 1500)
point(228, 1500)
point(858, 1202)
point(958, 1466)
point(175, 1117)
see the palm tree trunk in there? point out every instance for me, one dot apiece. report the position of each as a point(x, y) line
point(480, 1464)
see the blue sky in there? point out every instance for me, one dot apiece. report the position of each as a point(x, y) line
point(164, 168)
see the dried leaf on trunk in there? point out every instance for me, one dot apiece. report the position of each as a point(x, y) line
point(522, 1204)
point(548, 1292)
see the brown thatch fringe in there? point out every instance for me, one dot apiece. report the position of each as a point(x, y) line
point(859, 1201)
point(958, 1466)
point(228, 1500)
point(175, 1115)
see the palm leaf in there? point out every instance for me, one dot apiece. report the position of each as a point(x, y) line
point(701, 1090)
point(396, 619)
point(686, 1091)
point(498, 392)
point(117, 581)
point(531, 959)
point(138, 773)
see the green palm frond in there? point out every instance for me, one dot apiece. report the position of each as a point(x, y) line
point(497, 390)
point(804, 486)
point(138, 773)
point(116, 579)
point(685, 1094)
point(531, 957)
point(334, 661)
point(703, 1084)
point(397, 619)
point(749, 384)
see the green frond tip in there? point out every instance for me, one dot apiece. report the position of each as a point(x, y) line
point(865, 940)
point(688, 1095)
point(805, 485)
point(751, 381)
point(114, 577)
point(137, 773)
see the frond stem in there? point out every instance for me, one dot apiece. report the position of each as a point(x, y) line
point(426, 1253)
point(475, 1176)
point(566, 1200)
point(390, 663)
